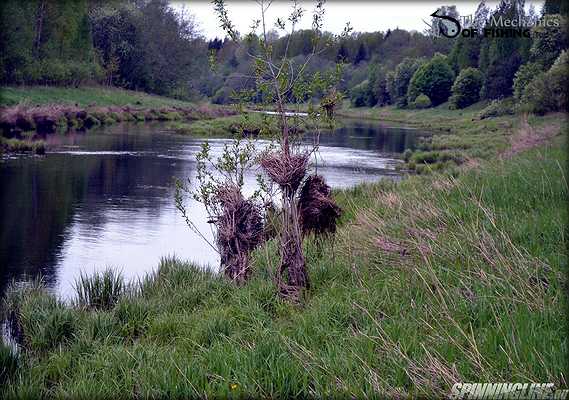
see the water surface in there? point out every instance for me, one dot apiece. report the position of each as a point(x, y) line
point(105, 198)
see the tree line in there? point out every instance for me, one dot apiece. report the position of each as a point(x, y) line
point(145, 45)
point(481, 68)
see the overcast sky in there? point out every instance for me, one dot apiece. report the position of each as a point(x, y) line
point(364, 16)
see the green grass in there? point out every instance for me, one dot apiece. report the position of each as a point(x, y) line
point(83, 96)
point(100, 290)
point(458, 135)
point(430, 281)
point(249, 123)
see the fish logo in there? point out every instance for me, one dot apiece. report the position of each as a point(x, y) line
point(448, 26)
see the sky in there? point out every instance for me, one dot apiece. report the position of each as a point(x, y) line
point(364, 16)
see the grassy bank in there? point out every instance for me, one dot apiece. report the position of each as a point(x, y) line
point(479, 132)
point(429, 282)
point(83, 97)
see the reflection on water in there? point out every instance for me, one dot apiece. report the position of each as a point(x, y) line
point(105, 198)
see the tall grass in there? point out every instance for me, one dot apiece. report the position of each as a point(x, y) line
point(9, 362)
point(431, 281)
point(100, 291)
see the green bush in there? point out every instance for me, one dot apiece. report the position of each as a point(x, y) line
point(434, 79)
point(223, 95)
point(421, 102)
point(361, 96)
point(548, 91)
point(498, 108)
point(56, 72)
point(523, 77)
point(466, 88)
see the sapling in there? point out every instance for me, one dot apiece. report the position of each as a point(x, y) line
point(280, 80)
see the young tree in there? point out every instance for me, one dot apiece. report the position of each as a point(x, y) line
point(401, 78)
point(466, 88)
point(287, 162)
point(434, 79)
point(361, 55)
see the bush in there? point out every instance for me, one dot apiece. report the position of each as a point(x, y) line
point(466, 88)
point(434, 79)
point(223, 95)
point(421, 102)
point(361, 95)
point(548, 91)
point(498, 108)
point(523, 77)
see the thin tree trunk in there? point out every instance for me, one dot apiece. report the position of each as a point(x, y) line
point(39, 26)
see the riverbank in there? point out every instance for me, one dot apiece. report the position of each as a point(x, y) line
point(431, 281)
point(40, 111)
point(482, 131)
point(83, 96)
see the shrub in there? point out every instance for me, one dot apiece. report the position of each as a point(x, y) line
point(101, 290)
point(548, 91)
point(466, 88)
point(523, 77)
point(223, 95)
point(422, 101)
point(361, 96)
point(498, 108)
point(434, 79)
point(54, 72)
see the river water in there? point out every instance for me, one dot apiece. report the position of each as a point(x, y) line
point(105, 198)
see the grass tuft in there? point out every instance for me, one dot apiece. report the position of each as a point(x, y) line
point(100, 291)
point(9, 363)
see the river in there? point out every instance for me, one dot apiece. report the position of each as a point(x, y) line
point(105, 197)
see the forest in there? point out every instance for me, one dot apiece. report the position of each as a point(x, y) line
point(144, 45)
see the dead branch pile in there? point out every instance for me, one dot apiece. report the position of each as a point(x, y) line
point(239, 232)
point(287, 170)
point(319, 213)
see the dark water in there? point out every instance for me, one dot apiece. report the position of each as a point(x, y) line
point(105, 198)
